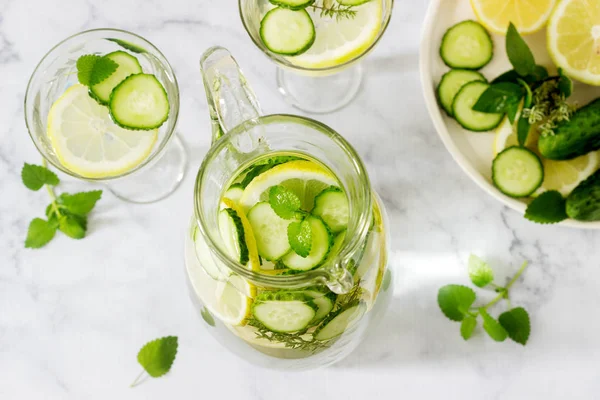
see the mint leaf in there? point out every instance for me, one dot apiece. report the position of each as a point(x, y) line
point(503, 97)
point(565, 84)
point(516, 323)
point(157, 356)
point(479, 271)
point(300, 237)
point(73, 225)
point(518, 52)
point(80, 203)
point(492, 327)
point(93, 69)
point(523, 128)
point(539, 73)
point(39, 233)
point(36, 176)
point(547, 208)
point(455, 301)
point(284, 202)
point(467, 327)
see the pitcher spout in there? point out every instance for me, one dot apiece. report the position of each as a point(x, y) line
point(230, 99)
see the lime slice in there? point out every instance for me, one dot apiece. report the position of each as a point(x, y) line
point(88, 142)
point(574, 39)
point(339, 41)
point(562, 176)
point(305, 178)
point(528, 16)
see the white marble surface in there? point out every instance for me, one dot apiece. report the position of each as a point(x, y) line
point(73, 315)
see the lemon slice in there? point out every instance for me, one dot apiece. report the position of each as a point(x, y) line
point(88, 142)
point(305, 178)
point(528, 16)
point(562, 176)
point(339, 41)
point(574, 39)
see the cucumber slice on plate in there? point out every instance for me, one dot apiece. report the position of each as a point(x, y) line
point(321, 244)
point(232, 233)
point(140, 102)
point(451, 83)
point(467, 45)
point(462, 109)
point(332, 206)
point(270, 231)
point(517, 172)
point(287, 32)
point(128, 65)
point(340, 321)
point(284, 312)
point(292, 4)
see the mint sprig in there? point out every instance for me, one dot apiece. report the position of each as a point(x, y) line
point(156, 357)
point(67, 212)
point(501, 98)
point(548, 208)
point(284, 202)
point(457, 303)
point(93, 69)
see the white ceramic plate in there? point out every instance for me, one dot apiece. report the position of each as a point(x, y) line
point(474, 151)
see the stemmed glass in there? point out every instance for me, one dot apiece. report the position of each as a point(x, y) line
point(324, 86)
point(161, 171)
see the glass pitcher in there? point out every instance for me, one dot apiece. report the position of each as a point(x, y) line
point(316, 316)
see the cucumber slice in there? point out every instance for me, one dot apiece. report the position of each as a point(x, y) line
point(321, 244)
point(287, 32)
point(451, 83)
point(517, 172)
point(340, 321)
point(462, 109)
point(270, 231)
point(128, 65)
point(324, 302)
point(140, 102)
point(284, 312)
point(234, 192)
point(292, 4)
point(467, 45)
point(332, 206)
point(232, 233)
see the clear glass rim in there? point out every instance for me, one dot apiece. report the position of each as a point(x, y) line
point(281, 61)
point(352, 242)
point(161, 145)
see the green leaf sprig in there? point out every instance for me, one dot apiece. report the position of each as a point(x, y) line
point(456, 303)
point(93, 69)
point(548, 208)
point(527, 86)
point(67, 212)
point(156, 357)
point(286, 204)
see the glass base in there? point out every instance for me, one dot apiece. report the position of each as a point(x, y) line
point(319, 94)
point(157, 181)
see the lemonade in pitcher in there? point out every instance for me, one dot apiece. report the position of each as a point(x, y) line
point(286, 255)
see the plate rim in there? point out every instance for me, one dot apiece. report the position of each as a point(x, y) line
point(435, 114)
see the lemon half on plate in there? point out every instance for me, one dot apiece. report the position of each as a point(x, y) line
point(528, 16)
point(87, 141)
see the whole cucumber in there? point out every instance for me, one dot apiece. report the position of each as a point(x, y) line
point(583, 203)
point(576, 137)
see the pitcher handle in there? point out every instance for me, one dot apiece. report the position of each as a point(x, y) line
point(231, 101)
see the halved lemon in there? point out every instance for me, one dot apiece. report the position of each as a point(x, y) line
point(562, 176)
point(528, 16)
point(574, 39)
point(88, 142)
point(305, 178)
point(339, 41)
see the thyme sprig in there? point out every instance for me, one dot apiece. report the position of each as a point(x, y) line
point(335, 10)
point(294, 341)
point(549, 107)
